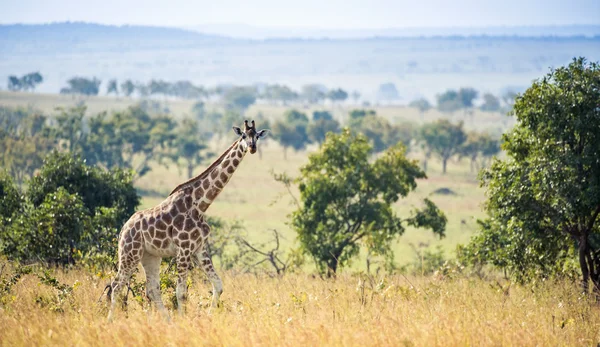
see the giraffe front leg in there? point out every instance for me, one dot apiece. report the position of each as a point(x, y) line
point(183, 265)
point(209, 270)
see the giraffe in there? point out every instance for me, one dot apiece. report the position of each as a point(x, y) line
point(177, 228)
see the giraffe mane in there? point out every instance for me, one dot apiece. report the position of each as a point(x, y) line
point(205, 172)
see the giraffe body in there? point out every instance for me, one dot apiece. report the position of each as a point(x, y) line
point(177, 228)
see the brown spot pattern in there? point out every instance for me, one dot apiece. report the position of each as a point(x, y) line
point(160, 225)
point(199, 193)
point(189, 224)
point(178, 222)
point(212, 193)
point(224, 177)
point(219, 185)
point(203, 206)
point(235, 162)
point(214, 174)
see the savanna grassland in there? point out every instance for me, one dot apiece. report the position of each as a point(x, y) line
point(448, 309)
point(299, 309)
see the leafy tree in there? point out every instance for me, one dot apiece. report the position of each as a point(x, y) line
point(70, 127)
point(291, 131)
point(388, 91)
point(479, 145)
point(31, 80)
point(466, 97)
point(26, 82)
point(543, 201)
point(346, 201)
point(420, 104)
point(72, 211)
point(82, 85)
point(314, 93)
point(239, 98)
point(159, 87)
point(490, 103)
point(25, 139)
point(379, 130)
point(14, 83)
point(127, 88)
point(337, 95)
point(96, 187)
point(444, 139)
point(112, 87)
point(188, 145)
point(10, 197)
point(322, 124)
point(280, 93)
point(449, 101)
point(129, 139)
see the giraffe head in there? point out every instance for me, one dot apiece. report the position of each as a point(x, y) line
point(250, 136)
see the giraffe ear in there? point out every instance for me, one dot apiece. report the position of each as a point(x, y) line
point(237, 131)
point(262, 133)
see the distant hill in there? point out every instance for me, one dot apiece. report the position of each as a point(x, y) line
point(254, 32)
point(418, 66)
point(73, 36)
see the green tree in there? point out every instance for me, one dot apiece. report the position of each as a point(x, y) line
point(421, 104)
point(70, 127)
point(467, 96)
point(322, 124)
point(337, 95)
point(346, 201)
point(112, 87)
point(280, 93)
point(291, 131)
point(188, 146)
point(127, 88)
point(10, 198)
point(444, 139)
point(313, 93)
point(82, 85)
point(239, 98)
point(449, 101)
point(96, 187)
point(388, 91)
point(479, 145)
point(31, 80)
point(490, 103)
point(72, 211)
point(14, 83)
point(543, 201)
point(129, 139)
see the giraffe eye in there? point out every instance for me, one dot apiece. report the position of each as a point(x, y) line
point(243, 136)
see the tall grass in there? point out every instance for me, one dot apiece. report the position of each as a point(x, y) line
point(300, 309)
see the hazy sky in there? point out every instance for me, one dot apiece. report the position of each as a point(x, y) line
point(326, 14)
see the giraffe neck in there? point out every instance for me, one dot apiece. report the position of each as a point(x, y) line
point(210, 184)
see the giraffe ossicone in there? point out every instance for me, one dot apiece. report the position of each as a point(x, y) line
point(177, 228)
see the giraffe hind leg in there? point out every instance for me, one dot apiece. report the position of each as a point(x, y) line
point(130, 254)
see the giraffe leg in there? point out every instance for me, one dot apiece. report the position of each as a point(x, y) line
point(117, 286)
point(206, 263)
point(151, 266)
point(183, 265)
point(130, 254)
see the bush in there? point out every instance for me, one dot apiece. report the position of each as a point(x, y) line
point(72, 212)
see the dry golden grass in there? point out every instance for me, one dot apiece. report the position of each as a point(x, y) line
point(303, 310)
